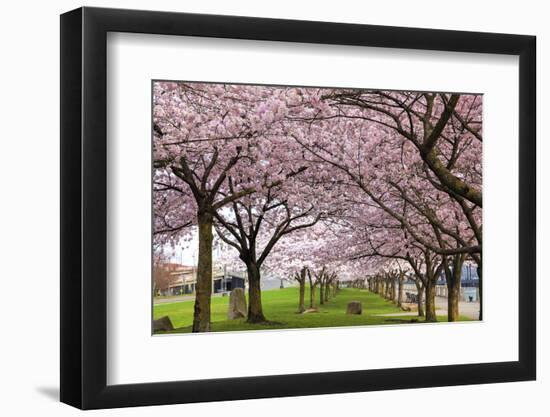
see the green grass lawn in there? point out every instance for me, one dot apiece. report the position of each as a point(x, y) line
point(280, 307)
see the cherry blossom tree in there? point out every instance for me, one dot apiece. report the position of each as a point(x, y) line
point(253, 227)
point(309, 255)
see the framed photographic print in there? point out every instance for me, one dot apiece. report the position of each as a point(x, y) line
point(258, 208)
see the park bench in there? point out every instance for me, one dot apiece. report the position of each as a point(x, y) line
point(411, 297)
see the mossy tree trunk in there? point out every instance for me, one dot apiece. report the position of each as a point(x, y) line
point(393, 289)
point(312, 285)
point(454, 281)
point(328, 290)
point(201, 314)
point(255, 310)
point(400, 289)
point(430, 301)
point(420, 297)
point(301, 278)
point(301, 302)
point(480, 288)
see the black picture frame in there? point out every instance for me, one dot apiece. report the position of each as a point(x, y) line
point(84, 207)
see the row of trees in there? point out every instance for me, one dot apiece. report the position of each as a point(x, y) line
point(326, 281)
point(339, 180)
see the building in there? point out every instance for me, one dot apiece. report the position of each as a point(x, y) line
point(469, 284)
point(469, 277)
point(224, 281)
point(184, 280)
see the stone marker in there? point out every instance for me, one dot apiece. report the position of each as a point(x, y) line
point(237, 304)
point(354, 307)
point(163, 324)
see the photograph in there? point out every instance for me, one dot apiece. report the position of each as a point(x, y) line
point(291, 207)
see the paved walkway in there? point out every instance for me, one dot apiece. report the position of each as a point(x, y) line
point(410, 313)
point(174, 299)
point(466, 309)
point(179, 298)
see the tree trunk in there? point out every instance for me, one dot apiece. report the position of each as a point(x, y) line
point(453, 286)
point(452, 303)
point(255, 311)
point(400, 290)
point(430, 301)
point(301, 304)
point(321, 292)
point(311, 295)
point(480, 286)
point(203, 288)
point(420, 300)
point(327, 292)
